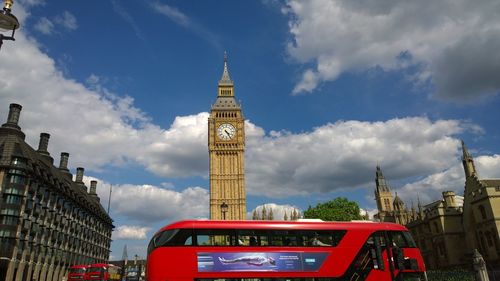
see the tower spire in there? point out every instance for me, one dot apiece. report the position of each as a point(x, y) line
point(468, 162)
point(380, 182)
point(225, 79)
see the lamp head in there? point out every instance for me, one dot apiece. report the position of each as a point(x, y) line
point(7, 20)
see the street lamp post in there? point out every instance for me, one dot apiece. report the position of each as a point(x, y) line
point(223, 208)
point(8, 21)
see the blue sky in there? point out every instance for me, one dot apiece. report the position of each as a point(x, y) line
point(329, 90)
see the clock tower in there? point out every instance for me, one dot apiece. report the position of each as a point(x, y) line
point(226, 146)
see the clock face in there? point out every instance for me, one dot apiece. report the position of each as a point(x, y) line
point(226, 131)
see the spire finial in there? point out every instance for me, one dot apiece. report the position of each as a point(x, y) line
point(225, 79)
point(465, 150)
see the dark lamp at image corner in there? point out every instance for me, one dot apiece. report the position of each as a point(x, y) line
point(8, 21)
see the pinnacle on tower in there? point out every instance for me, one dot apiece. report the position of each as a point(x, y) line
point(468, 162)
point(380, 181)
point(225, 79)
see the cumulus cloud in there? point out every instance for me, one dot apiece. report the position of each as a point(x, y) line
point(431, 187)
point(130, 232)
point(97, 127)
point(344, 155)
point(100, 128)
point(451, 42)
point(162, 204)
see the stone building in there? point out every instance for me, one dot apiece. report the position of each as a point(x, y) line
point(48, 222)
point(389, 209)
point(226, 146)
point(448, 230)
point(481, 218)
point(438, 232)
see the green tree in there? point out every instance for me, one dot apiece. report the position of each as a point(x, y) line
point(338, 209)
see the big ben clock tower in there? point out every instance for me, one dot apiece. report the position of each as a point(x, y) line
point(226, 146)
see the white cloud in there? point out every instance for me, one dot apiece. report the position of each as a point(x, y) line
point(162, 204)
point(130, 232)
point(172, 13)
point(345, 154)
point(67, 20)
point(48, 27)
point(99, 128)
point(127, 17)
point(431, 187)
point(146, 204)
point(451, 42)
point(45, 26)
point(183, 20)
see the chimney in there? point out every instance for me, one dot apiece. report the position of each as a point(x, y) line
point(63, 164)
point(93, 187)
point(11, 127)
point(449, 199)
point(44, 144)
point(13, 119)
point(42, 147)
point(79, 175)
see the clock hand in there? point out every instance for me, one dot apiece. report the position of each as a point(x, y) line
point(227, 133)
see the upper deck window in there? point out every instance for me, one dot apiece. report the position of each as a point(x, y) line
point(247, 238)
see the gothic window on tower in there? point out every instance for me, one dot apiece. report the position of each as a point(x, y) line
point(483, 212)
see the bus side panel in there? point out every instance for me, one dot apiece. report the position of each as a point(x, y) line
point(169, 262)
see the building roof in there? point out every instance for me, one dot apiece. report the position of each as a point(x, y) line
point(491, 182)
point(226, 103)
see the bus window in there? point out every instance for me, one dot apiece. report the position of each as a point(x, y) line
point(215, 237)
point(409, 240)
point(247, 237)
point(321, 238)
point(174, 237)
point(398, 239)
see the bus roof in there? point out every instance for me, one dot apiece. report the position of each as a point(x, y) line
point(311, 225)
point(79, 266)
point(102, 265)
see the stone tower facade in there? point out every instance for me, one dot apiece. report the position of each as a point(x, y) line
point(226, 146)
point(383, 194)
point(389, 209)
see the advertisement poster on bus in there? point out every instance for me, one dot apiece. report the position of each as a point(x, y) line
point(260, 261)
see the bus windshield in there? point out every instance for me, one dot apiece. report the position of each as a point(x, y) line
point(77, 270)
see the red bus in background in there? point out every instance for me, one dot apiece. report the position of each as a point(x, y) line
point(204, 250)
point(103, 271)
point(77, 272)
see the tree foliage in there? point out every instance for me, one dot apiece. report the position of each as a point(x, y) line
point(338, 209)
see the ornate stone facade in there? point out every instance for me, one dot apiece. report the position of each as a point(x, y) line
point(226, 146)
point(48, 222)
point(449, 230)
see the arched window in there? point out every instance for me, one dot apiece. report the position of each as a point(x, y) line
point(482, 211)
point(489, 239)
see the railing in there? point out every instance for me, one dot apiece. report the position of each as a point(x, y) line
point(450, 275)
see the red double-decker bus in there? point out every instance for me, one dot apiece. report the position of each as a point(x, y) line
point(204, 250)
point(77, 272)
point(103, 272)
